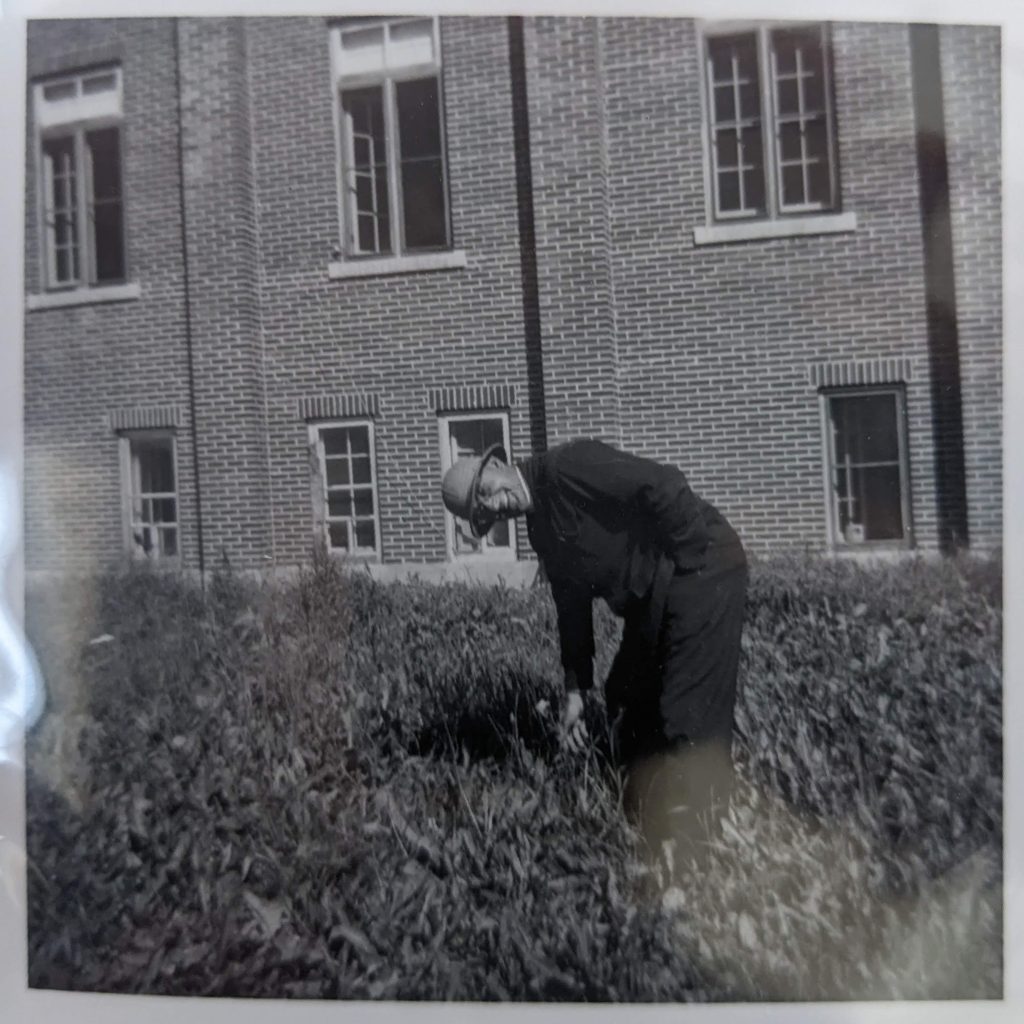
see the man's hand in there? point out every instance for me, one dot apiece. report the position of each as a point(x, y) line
point(574, 728)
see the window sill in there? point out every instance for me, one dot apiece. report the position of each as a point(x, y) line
point(84, 296)
point(343, 269)
point(752, 231)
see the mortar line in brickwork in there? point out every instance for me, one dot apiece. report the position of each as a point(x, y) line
point(187, 305)
point(529, 284)
point(260, 272)
point(602, 114)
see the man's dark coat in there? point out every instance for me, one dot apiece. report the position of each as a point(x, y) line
point(630, 530)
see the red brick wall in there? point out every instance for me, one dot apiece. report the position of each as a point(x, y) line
point(82, 362)
point(391, 337)
point(701, 355)
point(714, 343)
point(971, 93)
point(224, 299)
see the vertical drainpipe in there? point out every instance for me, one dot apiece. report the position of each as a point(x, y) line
point(188, 306)
point(527, 237)
point(940, 287)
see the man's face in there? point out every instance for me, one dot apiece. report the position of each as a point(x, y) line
point(499, 495)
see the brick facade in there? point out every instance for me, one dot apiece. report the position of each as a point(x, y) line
point(710, 356)
point(971, 89)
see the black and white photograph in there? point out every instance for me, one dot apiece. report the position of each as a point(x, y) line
point(512, 507)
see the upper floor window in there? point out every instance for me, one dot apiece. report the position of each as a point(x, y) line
point(770, 119)
point(866, 452)
point(393, 174)
point(78, 124)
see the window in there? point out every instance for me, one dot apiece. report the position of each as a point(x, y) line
point(80, 180)
point(149, 474)
point(771, 131)
point(347, 487)
point(867, 466)
point(392, 174)
point(463, 436)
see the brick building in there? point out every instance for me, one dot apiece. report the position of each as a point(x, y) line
point(279, 271)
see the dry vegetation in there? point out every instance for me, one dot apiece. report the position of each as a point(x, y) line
point(333, 788)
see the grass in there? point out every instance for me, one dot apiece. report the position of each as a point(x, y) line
point(333, 788)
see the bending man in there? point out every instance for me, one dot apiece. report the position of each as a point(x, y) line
point(631, 531)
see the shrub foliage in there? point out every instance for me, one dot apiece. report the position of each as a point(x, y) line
point(335, 788)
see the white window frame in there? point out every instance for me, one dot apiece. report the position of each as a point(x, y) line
point(387, 78)
point(836, 540)
point(487, 551)
point(320, 503)
point(73, 118)
point(128, 462)
point(826, 214)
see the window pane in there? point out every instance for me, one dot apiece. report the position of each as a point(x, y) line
point(468, 436)
point(729, 191)
point(733, 58)
point(361, 470)
point(422, 169)
point(156, 465)
point(362, 50)
point(753, 190)
point(335, 440)
point(866, 428)
point(169, 543)
point(364, 502)
point(337, 536)
point(359, 439)
point(752, 155)
point(725, 103)
point(419, 119)
point(788, 96)
point(366, 175)
point(62, 207)
point(339, 504)
point(423, 205)
point(750, 99)
point(60, 91)
point(99, 83)
point(337, 472)
point(411, 42)
point(727, 148)
point(500, 535)
point(465, 542)
point(105, 151)
point(789, 141)
point(366, 534)
point(793, 185)
point(108, 235)
point(165, 510)
point(883, 514)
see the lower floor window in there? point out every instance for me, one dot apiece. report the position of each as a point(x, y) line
point(868, 475)
point(347, 493)
point(462, 436)
point(150, 481)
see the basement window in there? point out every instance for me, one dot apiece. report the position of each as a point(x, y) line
point(464, 435)
point(345, 500)
point(149, 475)
point(867, 467)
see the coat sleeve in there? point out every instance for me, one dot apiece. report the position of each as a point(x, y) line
point(574, 605)
point(658, 493)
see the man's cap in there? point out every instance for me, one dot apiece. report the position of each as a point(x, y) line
point(460, 484)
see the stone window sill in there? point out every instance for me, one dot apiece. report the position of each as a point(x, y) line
point(796, 227)
point(84, 296)
point(389, 265)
